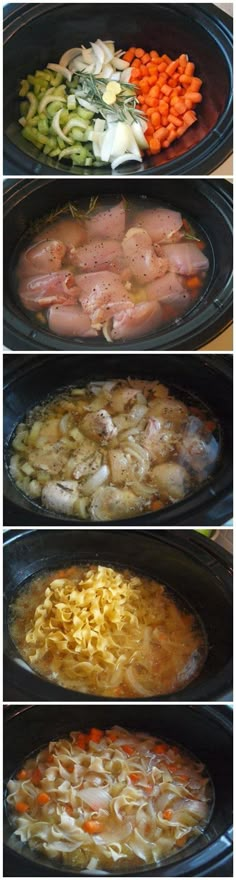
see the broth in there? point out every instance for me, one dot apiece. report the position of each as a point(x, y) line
point(109, 800)
point(111, 633)
point(113, 449)
point(119, 271)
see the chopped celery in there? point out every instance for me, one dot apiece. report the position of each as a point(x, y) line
point(64, 117)
point(33, 121)
point(53, 107)
point(88, 162)
point(77, 135)
point(54, 153)
point(24, 88)
point(43, 73)
point(24, 106)
point(85, 114)
point(43, 126)
point(60, 92)
point(71, 102)
point(29, 135)
point(61, 143)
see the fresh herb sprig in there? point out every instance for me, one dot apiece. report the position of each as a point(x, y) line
point(124, 109)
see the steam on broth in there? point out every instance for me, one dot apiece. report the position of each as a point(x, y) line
point(120, 271)
point(109, 800)
point(106, 632)
point(113, 449)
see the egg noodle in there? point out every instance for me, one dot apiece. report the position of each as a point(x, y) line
point(103, 631)
point(104, 800)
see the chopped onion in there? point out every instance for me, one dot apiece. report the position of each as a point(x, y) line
point(59, 69)
point(68, 56)
point(120, 831)
point(135, 684)
point(129, 157)
point(95, 798)
point(96, 480)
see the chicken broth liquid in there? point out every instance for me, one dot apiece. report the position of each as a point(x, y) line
point(120, 271)
point(109, 800)
point(107, 632)
point(113, 449)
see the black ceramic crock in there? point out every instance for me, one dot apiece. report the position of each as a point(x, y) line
point(206, 203)
point(197, 571)
point(30, 379)
point(37, 33)
point(205, 731)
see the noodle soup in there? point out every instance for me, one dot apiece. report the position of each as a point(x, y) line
point(114, 449)
point(109, 800)
point(106, 632)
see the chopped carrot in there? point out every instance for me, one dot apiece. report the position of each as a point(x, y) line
point(193, 282)
point(43, 798)
point(95, 734)
point(69, 809)
point(181, 840)
point(136, 63)
point(190, 68)
point(210, 426)
point(23, 774)
point(195, 97)
point(93, 826)
point(146, 58)
point(154, 55)
point(156, 504)
point(129, 55)
point(167, 814)
point(82, 740)
point(161, 748)
point(128, 749)
point(135, 777)
point(69, 767)
point(148, 789)
point(22, 807)
point(200, 244)
point(36, 776)
point(182, 777)
point(139, 53)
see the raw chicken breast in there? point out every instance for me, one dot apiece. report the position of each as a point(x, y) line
point(98, 255)
point(102, 294)
point(44, 257)
point(69, 320)
point(140, 256)
point(185, 258)
point(160, 223)
point(71, 232)
point(107, 224)
point(131, 323)
point(165, 289)
point(46, 290)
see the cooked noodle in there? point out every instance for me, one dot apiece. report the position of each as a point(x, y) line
point(109, 800)
point(107, 632)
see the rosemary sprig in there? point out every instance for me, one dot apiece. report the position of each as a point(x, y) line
point(124, 109)
point(71, 208)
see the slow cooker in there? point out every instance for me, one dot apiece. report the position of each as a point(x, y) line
point(198, 572)
point(208, 204)
point(205, 731)
point(36, 33)
point(30, 379)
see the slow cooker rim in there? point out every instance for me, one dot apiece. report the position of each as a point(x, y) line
point(220, 715)
point(185, 335)
point(195, 690)
point(223, 150)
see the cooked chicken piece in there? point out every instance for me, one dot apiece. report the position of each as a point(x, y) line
point(122, 398)
point(170, 411)
point(40, 258)
point(171, 480)
point(99, 425)
point(199, 455)
point(52, 460)
point(60, 496)
point(126, 466)
point(160, 223)
point(111, 503)
point(87, 466)
point(107, 224)
point(158, 440)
